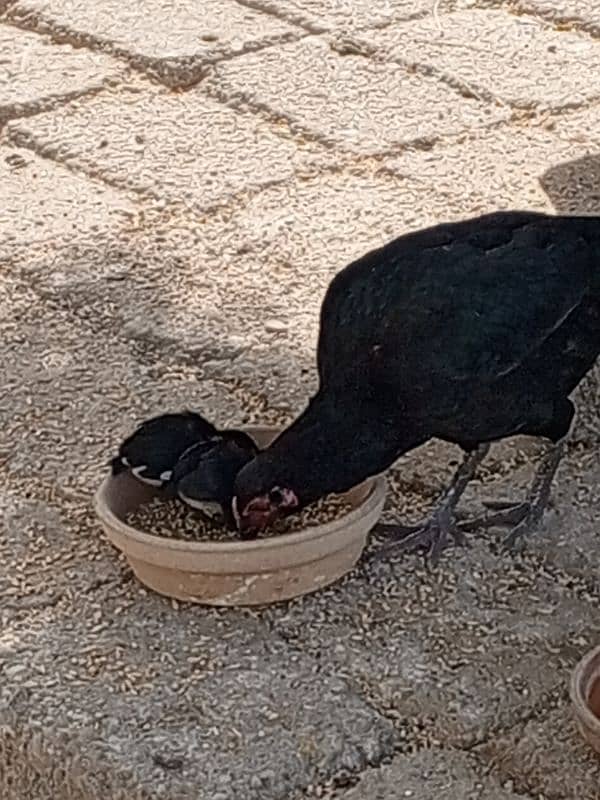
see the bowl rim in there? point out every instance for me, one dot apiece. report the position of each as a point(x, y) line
point(376, 495)
point(577, 690)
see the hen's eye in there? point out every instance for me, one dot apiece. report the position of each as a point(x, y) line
point(275, 496)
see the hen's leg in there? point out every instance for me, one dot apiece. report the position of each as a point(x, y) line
point(435, 532)
point(525, 517)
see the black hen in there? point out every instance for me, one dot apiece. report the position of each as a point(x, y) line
point(468, 332)
point(154, 447)
point(204, 474)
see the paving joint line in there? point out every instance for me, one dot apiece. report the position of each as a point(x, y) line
point(238, 100)
point(4, 6)
point(267, 7)
point(150, 67)
point(522, 8)
point(34, 107)
point(490, 764)
point(478, 92)
point(553, 18)
point(51, 152)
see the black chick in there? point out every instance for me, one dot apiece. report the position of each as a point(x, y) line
point(204, 474)
point(153, 449)
point(468, 332)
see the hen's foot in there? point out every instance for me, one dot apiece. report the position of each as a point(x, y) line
point(530, 523)
point(526, 517)
point(504, 514)
point(433, 535)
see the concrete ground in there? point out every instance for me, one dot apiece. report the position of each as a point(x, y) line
point(178, 184)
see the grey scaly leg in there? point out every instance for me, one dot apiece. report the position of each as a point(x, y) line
point(435, 532)
point(525, 517)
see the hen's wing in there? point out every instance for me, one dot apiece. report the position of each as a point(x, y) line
point(456, 303)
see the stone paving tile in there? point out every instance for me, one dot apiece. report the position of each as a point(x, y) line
point(313, 226)
point(350, 101)
point(320, 16)
point(581, 14)
point(450, 656)
point(70, 393)
point(45, 202)
point(174, 146)
point(36, 74)
point(129, 693)
point(548, 756)
point(429, 775)
point(212, 314)
point(518, 60)
point(229, 296)
point(322, 221)
point(544, 165)
point(174, 41)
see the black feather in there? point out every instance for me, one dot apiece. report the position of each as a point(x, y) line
point(206, 471)
point(155, 446)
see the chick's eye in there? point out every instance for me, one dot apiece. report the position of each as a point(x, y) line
point(275, 496)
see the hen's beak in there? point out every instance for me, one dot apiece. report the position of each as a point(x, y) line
point(257, 516)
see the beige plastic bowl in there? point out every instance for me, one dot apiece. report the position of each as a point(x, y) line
point(585, 696)
point(239, 573)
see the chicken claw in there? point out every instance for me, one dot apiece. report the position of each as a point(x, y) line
point(433, 534)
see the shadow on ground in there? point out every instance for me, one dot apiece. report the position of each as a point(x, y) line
point(574, 186)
